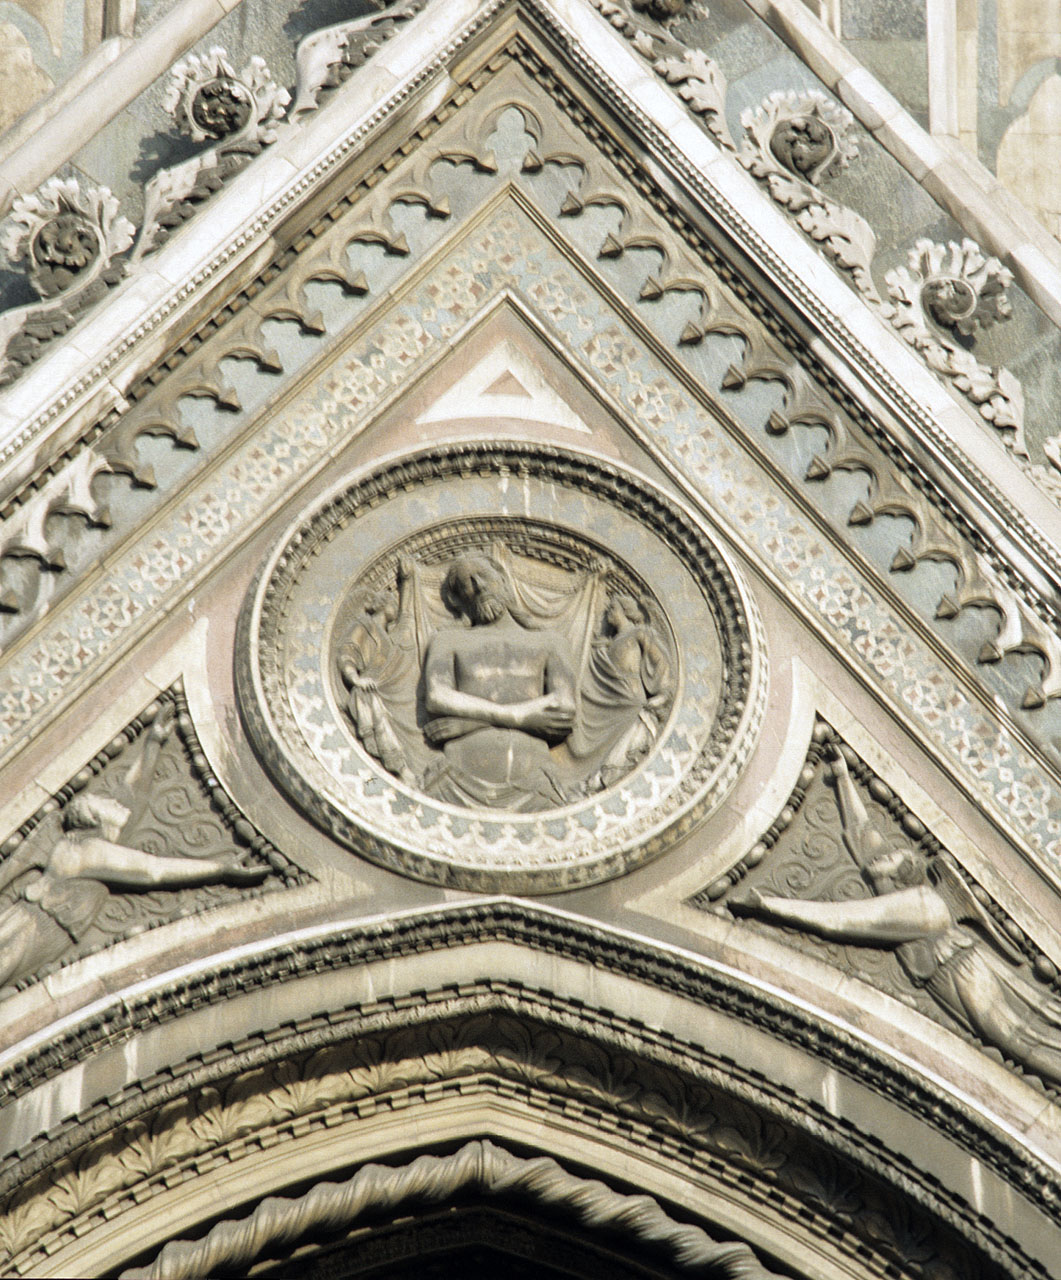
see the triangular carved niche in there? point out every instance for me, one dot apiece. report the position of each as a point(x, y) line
point(848, 874)
point(141, 836)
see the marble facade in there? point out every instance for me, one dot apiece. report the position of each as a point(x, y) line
point(530, 670)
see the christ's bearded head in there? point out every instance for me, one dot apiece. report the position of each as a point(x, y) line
point(476, 586)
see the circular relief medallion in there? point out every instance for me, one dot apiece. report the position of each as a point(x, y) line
point(501, 667)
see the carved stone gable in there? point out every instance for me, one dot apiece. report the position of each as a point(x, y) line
point(530, 662)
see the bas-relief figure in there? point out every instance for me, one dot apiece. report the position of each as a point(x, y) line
point(944, 939)
point(499, 694)
point(375, 663)
point(520, 697)
point(54, 892)
point(628, 687)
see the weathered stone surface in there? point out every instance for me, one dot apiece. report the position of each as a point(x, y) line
point(531, 457)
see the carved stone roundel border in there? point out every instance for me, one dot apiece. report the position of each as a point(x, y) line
point(577, 530)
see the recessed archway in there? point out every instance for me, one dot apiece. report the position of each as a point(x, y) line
point(350, 1057)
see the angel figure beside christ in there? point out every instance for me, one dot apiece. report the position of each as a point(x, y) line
point(942, 936)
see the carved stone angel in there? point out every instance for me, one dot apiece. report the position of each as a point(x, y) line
point(54, 894)
point(627, 686)
point(943, 938)
point(378, 665)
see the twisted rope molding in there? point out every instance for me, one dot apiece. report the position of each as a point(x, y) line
point(479, 1166)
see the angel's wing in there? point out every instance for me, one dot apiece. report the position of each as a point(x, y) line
point(32, 852)
point(965, 906)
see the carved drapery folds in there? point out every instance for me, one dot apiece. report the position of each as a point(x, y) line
point(891, 491)
point(34, 530)
point(539, 688)
point(30, 530)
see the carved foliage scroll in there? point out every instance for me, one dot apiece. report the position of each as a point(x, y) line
point(71, 241)
point(766, 358)
point(74, 241)
point(947, 293)
point(669, 1100)
point(794, 143)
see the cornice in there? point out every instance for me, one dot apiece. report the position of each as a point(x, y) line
point(955, 178)
point(371, 212)
point(854, 338)
point(323, 949)
point(33, 409)
point(337, 947)
point(926, 450)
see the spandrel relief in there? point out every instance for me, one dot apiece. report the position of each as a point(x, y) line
point(135, 840)
point(892, 906)
point(547, 677)
point(497, 680)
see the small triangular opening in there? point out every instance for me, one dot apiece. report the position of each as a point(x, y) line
point(504, 383)
point(507, 385)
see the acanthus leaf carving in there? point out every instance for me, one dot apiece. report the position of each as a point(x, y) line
point(794, 142)
point(209, 102)
point(701, 85)
point(326, 58)
point(65, 234)
point(665, 10)
point(28, 528)
point(238, 113)
point(71, 239)
point(612, 1073)
point(804, 134)
point(1020, 629)
point(954, 289)
point(74, 240)
point(846, 238)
